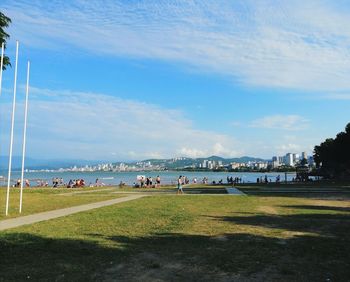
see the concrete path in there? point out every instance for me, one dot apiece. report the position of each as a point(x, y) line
point(234, 191)
point(29, 219)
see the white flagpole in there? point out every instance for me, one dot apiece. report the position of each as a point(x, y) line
point(24, 137)
point(1, 63)
point(12, 127)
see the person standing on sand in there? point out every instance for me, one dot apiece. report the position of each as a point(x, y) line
point(179, 185)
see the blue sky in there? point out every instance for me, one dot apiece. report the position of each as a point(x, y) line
point(126, 80)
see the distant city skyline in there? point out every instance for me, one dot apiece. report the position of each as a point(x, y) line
point(210, 162)
point(159, 79)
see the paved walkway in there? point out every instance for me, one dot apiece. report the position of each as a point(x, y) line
point(234, 191)
point(29, 219)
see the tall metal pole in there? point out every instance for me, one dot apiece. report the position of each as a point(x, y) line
point(1, 63)
point(24, 138)
point(12, 127)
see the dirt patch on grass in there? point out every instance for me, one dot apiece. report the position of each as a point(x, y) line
point(267, 209)
point(339, 203)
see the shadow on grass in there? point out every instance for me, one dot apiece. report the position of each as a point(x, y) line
point(311, 184)
point(339, 195)
point(324, 208)
point(181, 257)
point(302, 189)
point(327, 225)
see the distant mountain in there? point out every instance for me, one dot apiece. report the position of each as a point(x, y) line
point(186, 162)
point(31, 163)
point(17, 162)
point(243, 159)
point(246, 159)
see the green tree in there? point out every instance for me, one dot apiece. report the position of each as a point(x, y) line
point(332, 156)
point(4, 22)
point(303, 162)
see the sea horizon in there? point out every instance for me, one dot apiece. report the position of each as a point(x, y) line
point(130, 177)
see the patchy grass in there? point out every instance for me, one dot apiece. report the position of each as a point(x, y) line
point(324, 184)
point(317, 190)
point(182, 238)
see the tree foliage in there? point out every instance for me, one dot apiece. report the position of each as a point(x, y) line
point(333, 155)
point(4, 23)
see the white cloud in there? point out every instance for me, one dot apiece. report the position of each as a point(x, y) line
point(283, 149)
point(300, 45)
point(338, 96)
point(283, 122)
point(81, 125)
point(288, 148)
point(236, 123)
point(217, 149)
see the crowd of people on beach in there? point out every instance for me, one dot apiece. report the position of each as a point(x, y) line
point(58, 182)
point(147, 182)
point(268, 180)
point(231, 180)
point(76, 183)
point(18, 183)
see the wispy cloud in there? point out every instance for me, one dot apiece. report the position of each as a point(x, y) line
point(216, 149)
point(236, 123)
point(288, 148)
point(300, 45)
point(283, 122)
point(96, 126)
point(338, 96)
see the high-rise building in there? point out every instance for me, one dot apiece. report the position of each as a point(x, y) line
point(296, 158)
point(281, 160)
point(289, 159)
point(275, 162)
point(303, 155)
point(205, 164)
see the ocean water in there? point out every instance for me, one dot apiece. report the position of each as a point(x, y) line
point(114, 178)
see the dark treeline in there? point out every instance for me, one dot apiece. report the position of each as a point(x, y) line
point(4, 23)
point(332, 156)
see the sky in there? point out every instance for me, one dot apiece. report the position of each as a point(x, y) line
point(131, 80)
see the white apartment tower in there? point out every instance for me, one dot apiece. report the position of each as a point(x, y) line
point(289, 159)
point(296, 158)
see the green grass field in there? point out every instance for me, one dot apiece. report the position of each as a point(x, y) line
point(45, 199)
point(182, 238)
